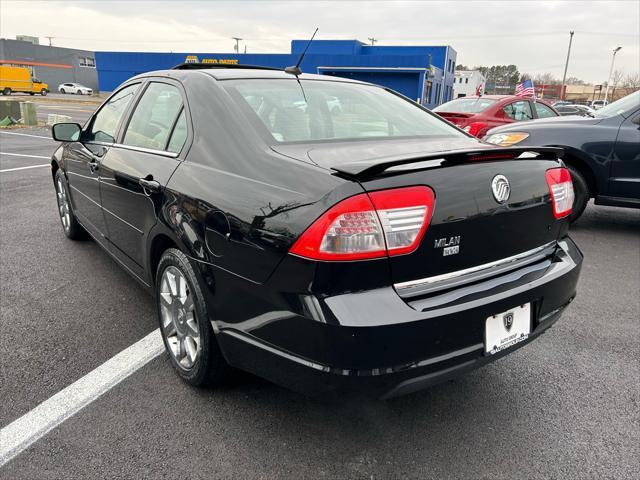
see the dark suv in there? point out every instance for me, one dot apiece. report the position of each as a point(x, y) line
point(323, 233)
point(602, 151)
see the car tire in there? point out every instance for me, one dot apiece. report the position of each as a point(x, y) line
point(184, 323)
point(79, 92)
point(31, 93)
point(62, 90)
point(43, 92)
point(581, 194)
point(72, 229)
point(6, 91)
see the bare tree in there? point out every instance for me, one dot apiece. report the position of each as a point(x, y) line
point(575, 81)
point(616, 78)
point(546, 79)
point(632, 82)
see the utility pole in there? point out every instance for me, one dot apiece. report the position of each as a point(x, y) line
point(613, 59)
point(372, 40)
point(566, 65)
point(50, 40)
point(237, 47)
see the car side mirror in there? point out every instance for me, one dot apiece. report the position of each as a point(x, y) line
point(66, 132)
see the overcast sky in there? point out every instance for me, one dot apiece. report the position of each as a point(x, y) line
point(531, 35)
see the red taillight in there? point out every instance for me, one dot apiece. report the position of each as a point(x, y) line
point(561, 190)
point(475, 128)
point(365, 226)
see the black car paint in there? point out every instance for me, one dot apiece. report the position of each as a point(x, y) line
point(235, 204)
point(606, 150)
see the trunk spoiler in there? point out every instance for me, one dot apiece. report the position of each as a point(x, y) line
point(370, 168)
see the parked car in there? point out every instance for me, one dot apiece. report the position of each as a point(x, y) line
point(477, 115)
point(75, 88)
point(573, 109)
point(307, 247)
point(559, 103)
point(19, 79)
point(602, 152)
point(598, 104)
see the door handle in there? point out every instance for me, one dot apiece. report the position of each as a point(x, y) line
point(150, 185)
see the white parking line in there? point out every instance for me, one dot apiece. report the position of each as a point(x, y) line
point(28, 135)
point(24, 155)
point(24, 168)
point(21, 433)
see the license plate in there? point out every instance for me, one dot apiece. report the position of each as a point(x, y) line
point(504, 330)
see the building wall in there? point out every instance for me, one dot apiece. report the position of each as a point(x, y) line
point(322, 56)
point(466, 83)
point(52, 65)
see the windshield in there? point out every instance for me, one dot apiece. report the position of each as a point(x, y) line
point(317, 110)
point(465, 105)
point(623, 107)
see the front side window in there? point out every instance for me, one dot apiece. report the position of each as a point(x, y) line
point(154, 117)
point(519, 111)
point(543, 111)
point(105, 124)
point(321, 110)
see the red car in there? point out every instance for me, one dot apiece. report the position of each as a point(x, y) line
point(477, 115)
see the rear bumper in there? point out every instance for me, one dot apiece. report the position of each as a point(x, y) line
point(386, 346)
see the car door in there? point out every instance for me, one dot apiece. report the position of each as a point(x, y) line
point(134, 172)
point(518, 111)
point(624, 177)
point(83, 158)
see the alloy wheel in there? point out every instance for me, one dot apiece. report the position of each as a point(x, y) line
point(178, 316)
point(63, 205)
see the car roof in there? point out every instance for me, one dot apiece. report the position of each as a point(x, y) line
point(505, 98)
point(237, 73)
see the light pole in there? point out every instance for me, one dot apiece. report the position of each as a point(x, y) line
point(613, 59)
point(237, 47)
point(566, 65)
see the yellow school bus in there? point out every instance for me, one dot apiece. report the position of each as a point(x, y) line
point(19, 79)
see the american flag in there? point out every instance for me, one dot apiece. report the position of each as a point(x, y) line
point(525, 89)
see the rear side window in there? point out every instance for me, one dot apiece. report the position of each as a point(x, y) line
point(519, 110)
point(179, 135)
point(106, 121)
point(154, 117)
point(543, 111)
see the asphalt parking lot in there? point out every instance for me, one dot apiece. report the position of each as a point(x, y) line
point(565, 406)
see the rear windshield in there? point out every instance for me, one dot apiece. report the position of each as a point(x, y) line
point(314, 110)
point(465, 105)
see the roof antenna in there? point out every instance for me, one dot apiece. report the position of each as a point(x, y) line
point(295, 70)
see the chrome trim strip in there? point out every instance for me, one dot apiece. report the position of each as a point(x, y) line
point(468, 271)
point(164, 153)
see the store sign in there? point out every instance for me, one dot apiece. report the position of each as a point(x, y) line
point(222, 61)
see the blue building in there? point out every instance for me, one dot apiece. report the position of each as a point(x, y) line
point(422, 73)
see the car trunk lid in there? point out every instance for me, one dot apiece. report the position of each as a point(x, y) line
point(469, 227)
point(460, 119)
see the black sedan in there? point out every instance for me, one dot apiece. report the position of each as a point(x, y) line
point(371, 247)
point(602, 151)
